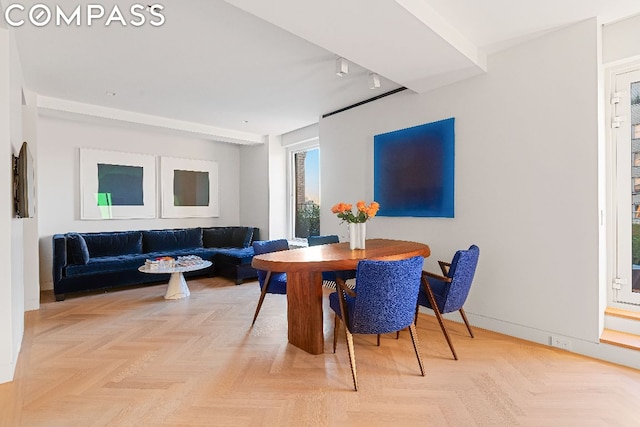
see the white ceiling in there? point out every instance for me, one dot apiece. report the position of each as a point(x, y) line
point(240, 69)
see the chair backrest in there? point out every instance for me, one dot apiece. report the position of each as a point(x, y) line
point(387, 293)
point(322, 240)
point(265, 247)
point(461, 272)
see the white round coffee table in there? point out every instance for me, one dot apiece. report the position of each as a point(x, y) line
point(177, 287)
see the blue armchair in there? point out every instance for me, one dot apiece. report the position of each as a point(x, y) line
point(270, 282)
point(448, 292)
point(384, 301)
point(329, 277)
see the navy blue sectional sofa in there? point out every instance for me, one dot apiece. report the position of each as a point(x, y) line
point(90, 261)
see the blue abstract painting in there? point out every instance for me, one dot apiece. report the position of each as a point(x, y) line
point(414, 170)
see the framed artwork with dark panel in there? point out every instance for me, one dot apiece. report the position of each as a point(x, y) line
point(117, 185)
point(121, 184)
point(414, 170)
point(189, 188)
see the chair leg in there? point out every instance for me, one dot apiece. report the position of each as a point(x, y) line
point(262, 295)
point(336, 323)
point(352, 359)
point(444, 331)
point(378, 338)
point(434, 306)
point(466, 322)
point(345, 320)
point(416, 346)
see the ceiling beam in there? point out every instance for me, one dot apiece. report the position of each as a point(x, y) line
point(62, 107)
point(405, 41)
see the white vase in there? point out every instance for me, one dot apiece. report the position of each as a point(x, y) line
point(357, 235)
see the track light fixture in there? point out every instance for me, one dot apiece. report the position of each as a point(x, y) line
point(342, 66)
point(374, 81)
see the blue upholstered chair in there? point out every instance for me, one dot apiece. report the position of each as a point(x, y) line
point(329, 277)
point(447, 293)
point(384, 301)
point(270, 282)
point(323, 240)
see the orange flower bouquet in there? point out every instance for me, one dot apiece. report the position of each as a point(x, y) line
point(357, 220)
point(362, 214)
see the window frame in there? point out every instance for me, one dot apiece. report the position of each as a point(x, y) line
point(291, 186)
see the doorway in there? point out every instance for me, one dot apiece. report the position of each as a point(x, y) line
point(626, 142)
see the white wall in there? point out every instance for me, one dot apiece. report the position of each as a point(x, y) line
point(58, 177)
point(526, 182)
point(12, 287)
point(620, 40)
point(254, 185)
point(263, 183)
point(277, 189)
point(7, 365)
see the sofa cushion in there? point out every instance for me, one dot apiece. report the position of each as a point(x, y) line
point(107, 264)
point(113, 244)
point(171, 240)
point(217, 237)
point(235, 256)
point(78, 251)
point(241, 237)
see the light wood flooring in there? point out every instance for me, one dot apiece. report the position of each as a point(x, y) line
point(131, 358)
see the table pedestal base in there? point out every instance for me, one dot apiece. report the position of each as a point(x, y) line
point(304, 310)
point(177, 287)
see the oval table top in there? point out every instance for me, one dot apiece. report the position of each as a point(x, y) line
point(338, 256)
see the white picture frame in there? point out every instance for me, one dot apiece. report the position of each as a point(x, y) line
point(201, 203)
point(139, 198)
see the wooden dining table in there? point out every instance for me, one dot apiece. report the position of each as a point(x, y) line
point(304, 267)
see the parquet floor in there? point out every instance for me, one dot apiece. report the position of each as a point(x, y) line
point(131, 358)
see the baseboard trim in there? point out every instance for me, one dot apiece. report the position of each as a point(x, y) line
point(595, 349)
point(7, 371)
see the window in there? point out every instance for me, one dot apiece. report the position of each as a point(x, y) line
point(306, 193)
